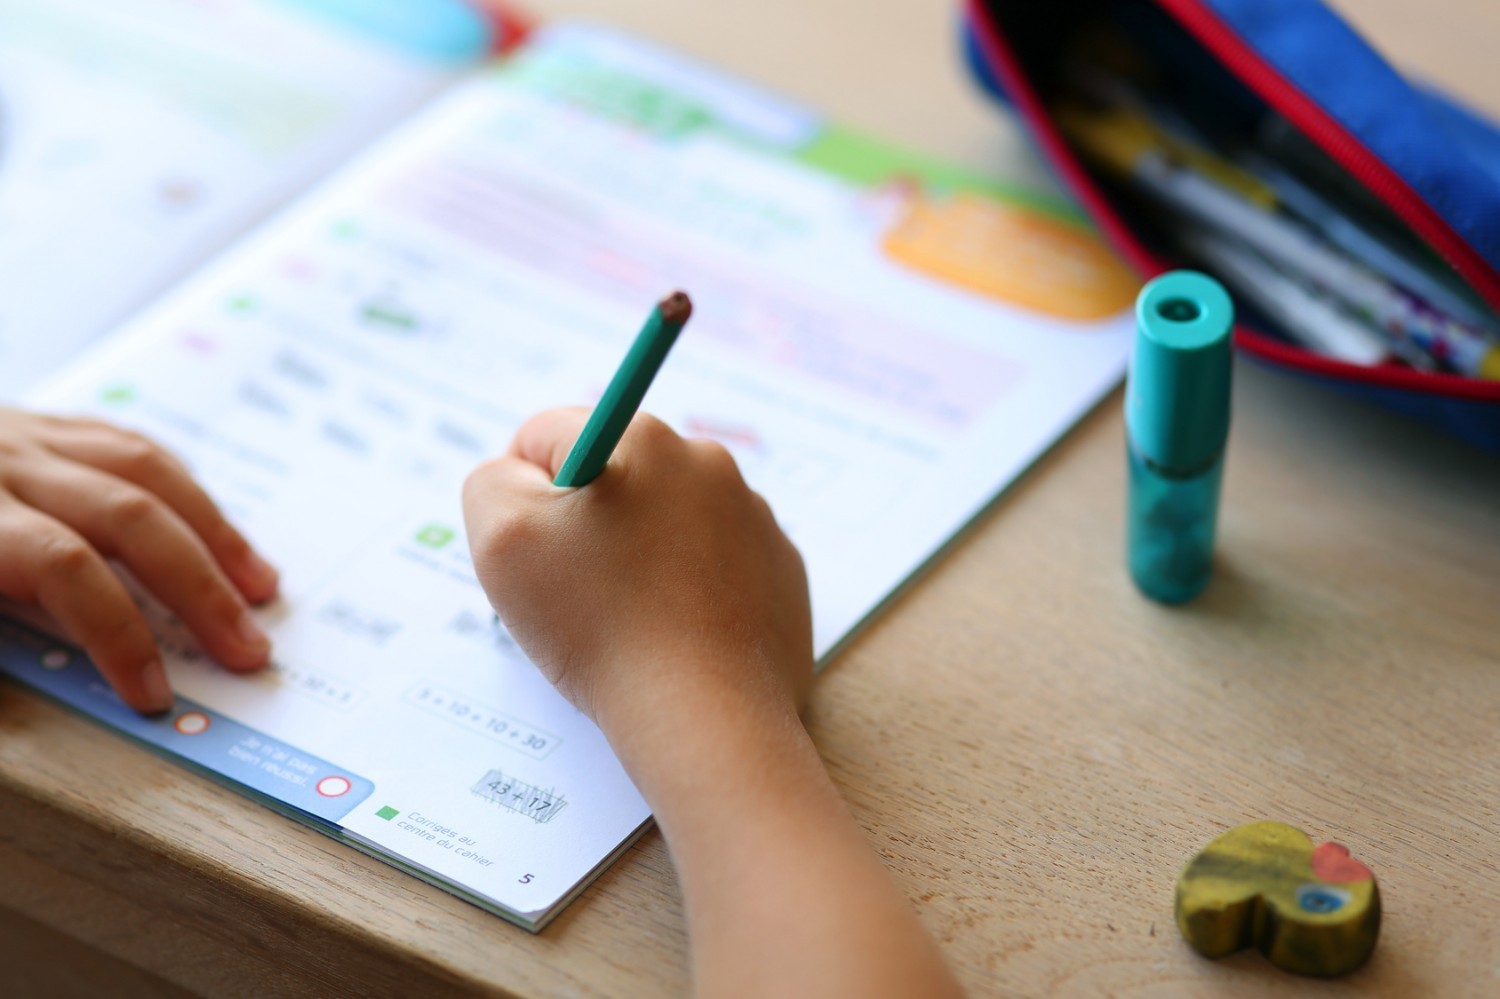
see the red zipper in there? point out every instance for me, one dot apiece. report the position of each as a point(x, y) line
point(1003, 63)
point(1319, 126)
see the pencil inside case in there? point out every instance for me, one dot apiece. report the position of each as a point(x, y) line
point(1265, 142)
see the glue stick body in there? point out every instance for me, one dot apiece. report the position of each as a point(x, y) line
point(1177, 424)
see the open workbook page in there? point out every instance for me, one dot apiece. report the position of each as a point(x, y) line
point(882, 343)
point(138, 136)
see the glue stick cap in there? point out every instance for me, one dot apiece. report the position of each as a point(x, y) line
point(1177, 394)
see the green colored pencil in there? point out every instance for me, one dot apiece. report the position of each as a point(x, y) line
point(609, 419)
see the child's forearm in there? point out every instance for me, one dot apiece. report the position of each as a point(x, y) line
point(767, 852)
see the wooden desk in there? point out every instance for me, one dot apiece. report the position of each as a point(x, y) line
point(1034, 749)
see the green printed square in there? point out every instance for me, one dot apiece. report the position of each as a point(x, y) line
point(243, 304)
point(435, 535)
point(387, 813)
point(118, 394)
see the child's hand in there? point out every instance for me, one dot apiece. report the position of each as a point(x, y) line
point(664, 573)
point(664, 601)
point(75, 492)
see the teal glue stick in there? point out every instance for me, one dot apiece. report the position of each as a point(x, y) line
point(1176, 424)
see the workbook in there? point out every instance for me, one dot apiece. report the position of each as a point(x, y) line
point(137, 137)
point(881, 341)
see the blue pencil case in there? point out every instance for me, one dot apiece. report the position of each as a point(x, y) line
point(1265, 137)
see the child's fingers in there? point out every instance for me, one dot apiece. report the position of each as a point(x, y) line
point(122, 520)
point(508, 478)
point(136, 459)
point(715, 460)
point(546, 438)
point(649, 438)
point(48, 564)
point(500, 497)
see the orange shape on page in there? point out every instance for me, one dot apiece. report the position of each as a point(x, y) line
point(1015, 254)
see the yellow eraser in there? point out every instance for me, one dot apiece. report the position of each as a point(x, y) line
point(1309, 910)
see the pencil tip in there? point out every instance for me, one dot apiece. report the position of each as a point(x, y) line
point(676, 308)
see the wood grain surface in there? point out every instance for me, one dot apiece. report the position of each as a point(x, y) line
point(1034, 749)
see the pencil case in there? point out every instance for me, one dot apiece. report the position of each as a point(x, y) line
point(1291, 85)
